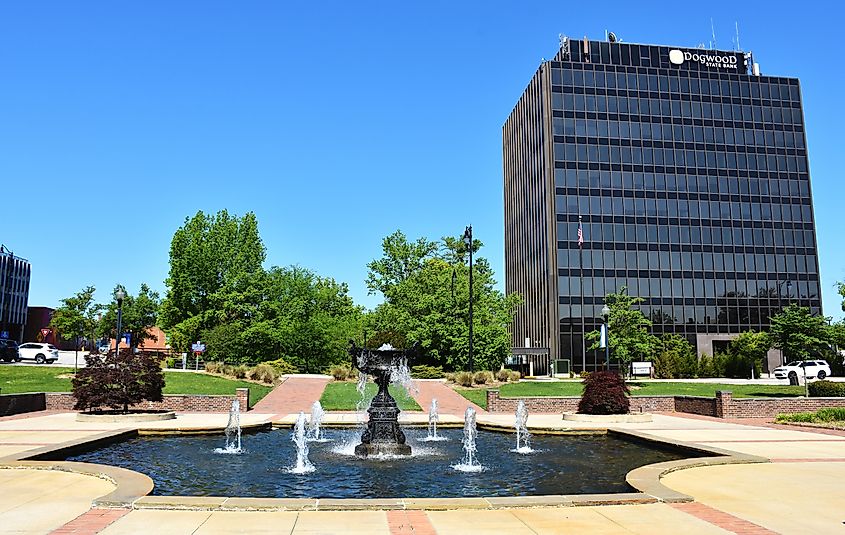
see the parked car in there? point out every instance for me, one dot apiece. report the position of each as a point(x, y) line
point(38, 352)
point(9, 351)
point(795, 370)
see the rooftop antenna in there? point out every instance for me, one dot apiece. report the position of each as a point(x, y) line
point(712, 34)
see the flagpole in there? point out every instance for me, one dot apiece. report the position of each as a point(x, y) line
point(581, 277)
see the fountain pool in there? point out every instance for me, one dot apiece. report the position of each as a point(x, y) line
point(574, 464)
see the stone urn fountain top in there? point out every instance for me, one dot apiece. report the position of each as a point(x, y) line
point(382, 360)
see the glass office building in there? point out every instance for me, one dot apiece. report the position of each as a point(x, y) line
point(688, 170)
point(14, 294)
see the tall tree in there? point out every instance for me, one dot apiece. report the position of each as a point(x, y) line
point(400, 260)
point(139, 314)
point(211, 256)
point(629, 335)
point(799, 333)
point(840, 287)
point(77, 315)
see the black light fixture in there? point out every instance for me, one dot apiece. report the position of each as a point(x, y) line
point(468, 243)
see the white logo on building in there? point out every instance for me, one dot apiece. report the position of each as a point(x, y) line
point(677, 57)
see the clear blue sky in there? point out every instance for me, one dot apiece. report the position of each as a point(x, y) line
point(335, 122)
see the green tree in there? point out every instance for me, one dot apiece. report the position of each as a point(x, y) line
point(77, 315)
point(674, 358)
point(139, 315)
point(840, 287)
point(798, 333)
point(746, 352)
point(214, 260)
point(837, 338)
point(629, 335)
point(428, 302)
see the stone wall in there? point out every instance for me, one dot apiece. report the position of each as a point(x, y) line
point(11, 404)
point(63, 401)
point(722, 406)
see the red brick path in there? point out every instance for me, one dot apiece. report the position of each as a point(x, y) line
point(409, 523)
point(93, 521)
point(294, 395)
point(723, 520)
point(448, 401)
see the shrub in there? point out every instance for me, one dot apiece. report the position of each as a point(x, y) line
point(264, 373)
point(170, 362)
point(240, 371)
point(826, 389)
point(463, 378)
point(424, 371)
point(831, 414)
point(340, 372)
point(118, 380)
point(482, 377)
point(282, 366)
point(227, 369)
point(503, 375)
point(808, 417)
point(584, 374)
point(514, 376)
point(450, 377)
point(213, 367)
point(605, 392)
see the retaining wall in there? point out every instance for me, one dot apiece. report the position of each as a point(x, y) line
point(11, 404)
point(63, 401)
point(723, 405)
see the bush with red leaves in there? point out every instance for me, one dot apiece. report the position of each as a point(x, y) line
point(605, 392)
point(118, 381)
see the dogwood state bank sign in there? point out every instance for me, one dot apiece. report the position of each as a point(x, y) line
point(704, 58)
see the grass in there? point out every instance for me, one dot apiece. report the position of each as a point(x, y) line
point(638, 388)
point(19, 379)
point(343, 396)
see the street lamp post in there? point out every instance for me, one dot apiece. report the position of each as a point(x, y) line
point(119, 295)
point(605, 312)
point(468, 243)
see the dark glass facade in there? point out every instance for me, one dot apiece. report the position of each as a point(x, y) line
point(14, 294)
point(690, 175)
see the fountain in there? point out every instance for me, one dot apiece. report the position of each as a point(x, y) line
point(433, 418)
point(233, 431)
point(303, 465)
point(470, 463)
point(314, 423)
point(523, 437)
point(382, 436)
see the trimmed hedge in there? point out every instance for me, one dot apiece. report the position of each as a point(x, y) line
point(826, 389)
point(424, 371)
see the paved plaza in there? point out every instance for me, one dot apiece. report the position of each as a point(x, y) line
point(798, 489)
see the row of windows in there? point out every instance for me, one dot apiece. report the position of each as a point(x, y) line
point(579, 204)
point(668, 157)
point(676, 81)
point(612, 182)
point(687, 261)
point(677, 108)
point(730, 137)
point(570, 288)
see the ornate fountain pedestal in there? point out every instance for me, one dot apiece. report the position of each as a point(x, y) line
point(383, 435)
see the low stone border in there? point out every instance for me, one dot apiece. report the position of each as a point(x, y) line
point(129, 417)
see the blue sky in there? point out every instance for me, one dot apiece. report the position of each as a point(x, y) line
point(335, 122)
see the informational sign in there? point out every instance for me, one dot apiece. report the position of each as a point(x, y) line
point(127, 337)
point(4, 335)
point(641, 368)
point(198, 347)
point(707, 58)
point(45, 332)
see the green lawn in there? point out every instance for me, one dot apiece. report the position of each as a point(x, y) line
point(638, 388)
point(344, 397)
point(17, 379)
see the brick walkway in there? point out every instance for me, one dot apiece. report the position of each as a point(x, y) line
point(409, 523)
point(91, 522)
point(294, 395)
point(448, 401)
point(721, 519)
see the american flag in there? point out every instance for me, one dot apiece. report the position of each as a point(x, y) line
point(580, 235)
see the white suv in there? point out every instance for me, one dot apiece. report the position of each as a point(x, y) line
point(815, 369)
point(40, 353)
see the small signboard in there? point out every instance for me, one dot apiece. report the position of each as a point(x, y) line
point(641, 368)
point(45, 332)
point(4, 335)
point(198, 347)
point(127, 337)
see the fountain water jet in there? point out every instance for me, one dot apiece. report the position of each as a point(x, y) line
point(303, 465)
point(314, 424)
point(382, 436)
point(433, 418)
point(233, 431)
point(523, 437)
point(470, 463)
